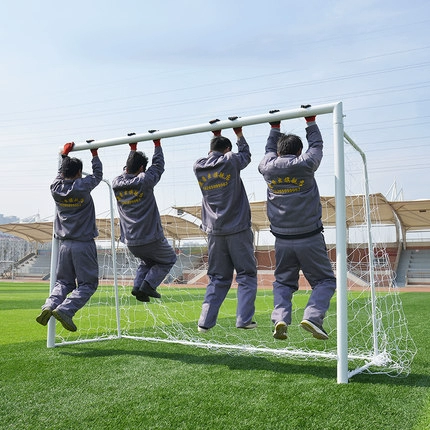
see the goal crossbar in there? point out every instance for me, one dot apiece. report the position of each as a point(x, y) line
point(201, 128)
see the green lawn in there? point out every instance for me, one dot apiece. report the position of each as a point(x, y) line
point(127, 384)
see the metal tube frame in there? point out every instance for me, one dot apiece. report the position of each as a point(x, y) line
point(337, 110)
point(201, 128)
point(371, 255)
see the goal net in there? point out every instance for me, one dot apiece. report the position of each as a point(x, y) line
point(378, 340)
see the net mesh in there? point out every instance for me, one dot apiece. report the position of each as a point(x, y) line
point(378, 336)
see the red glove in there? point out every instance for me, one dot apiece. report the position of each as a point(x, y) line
point(237, 130)
point(67, 148)
point(94, 152)
point(133, 146)
point(157, 142)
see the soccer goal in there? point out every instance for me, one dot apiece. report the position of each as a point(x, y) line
point(366, 324)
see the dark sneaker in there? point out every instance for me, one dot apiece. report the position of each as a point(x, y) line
point(142, 297)
point(250, 326)
point(145, 288)
point(280, 330)
point(201, 329)
point(44, 316)
point(65, 320)
point(317, 331)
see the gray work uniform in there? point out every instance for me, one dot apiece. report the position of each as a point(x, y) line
point(226, 218)
point(294, 211)
point(75, 227)
point(140, 222)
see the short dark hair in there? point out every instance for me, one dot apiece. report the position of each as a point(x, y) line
point(70, 167)
point(289, 144)
point(220, 143)
point(135, 161)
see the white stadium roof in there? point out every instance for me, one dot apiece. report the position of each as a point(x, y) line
point(412, 216)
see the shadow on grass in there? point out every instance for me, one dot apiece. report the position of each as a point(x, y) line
point(281, 365)
point(203, 357)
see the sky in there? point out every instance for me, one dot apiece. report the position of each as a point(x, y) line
point(99, 69)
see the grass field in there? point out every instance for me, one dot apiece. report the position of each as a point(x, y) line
point(127, 384)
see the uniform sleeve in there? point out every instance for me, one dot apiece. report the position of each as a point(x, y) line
point(244, 154)
point(272, 141)
point(313, 136)
point(154, 172)
point(314, 154)
point(91, 181)
point(271, 150)
point(59, 176)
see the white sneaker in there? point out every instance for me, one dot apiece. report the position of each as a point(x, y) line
point(280, 330)
point(202, 329)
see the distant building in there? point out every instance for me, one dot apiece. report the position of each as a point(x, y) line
point(8, 219)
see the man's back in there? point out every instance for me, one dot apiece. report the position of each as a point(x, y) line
point(293, 200)
point(139, 216)
point(75, 218)
point(225, 205)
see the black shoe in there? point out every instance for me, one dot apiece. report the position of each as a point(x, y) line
point(145, 288)
point(44, 316)
point(65, 320)
point(142, 297)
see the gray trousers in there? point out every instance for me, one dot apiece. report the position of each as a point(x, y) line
point(309, 255)
point(157, 258)
point(77, 276)
point(226, 254)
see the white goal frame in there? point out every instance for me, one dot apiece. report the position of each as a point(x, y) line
point(339, 137)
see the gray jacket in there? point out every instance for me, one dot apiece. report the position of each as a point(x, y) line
point(225, 205)
point(140, 221)
point(75, 218)
point(293, 200)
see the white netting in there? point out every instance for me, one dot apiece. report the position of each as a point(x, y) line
point(378, 336)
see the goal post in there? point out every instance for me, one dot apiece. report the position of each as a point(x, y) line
point(175, 321)
point(341, 276)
